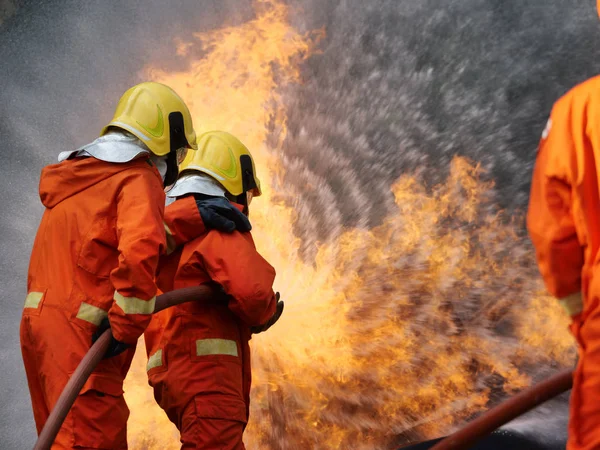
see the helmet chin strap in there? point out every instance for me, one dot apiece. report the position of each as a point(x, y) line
point(172, 169)
point(241, 199)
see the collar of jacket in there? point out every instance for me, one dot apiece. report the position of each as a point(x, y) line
point(196, 183)
point(116, 147)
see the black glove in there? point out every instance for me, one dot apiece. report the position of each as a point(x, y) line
point(274, 318)
point(116, 347)
point(219, 214)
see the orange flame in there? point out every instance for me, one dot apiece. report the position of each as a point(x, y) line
point(392, 353)
point(391, 334)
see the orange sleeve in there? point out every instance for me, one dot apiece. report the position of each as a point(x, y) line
point(549, 219)
point(182, 223)
point(232, 261)
point(141, 235)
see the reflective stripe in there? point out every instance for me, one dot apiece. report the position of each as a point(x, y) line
point(129, 128)
point(171, 245)
point(33, 299)
point(216, 347)
point(154, 360)
point(134, 305)
point(216, 176)
point(572, 304)
point(91, 313)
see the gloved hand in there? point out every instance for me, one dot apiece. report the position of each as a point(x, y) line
point(274, 318)
point(116, 347)
point(219, 214)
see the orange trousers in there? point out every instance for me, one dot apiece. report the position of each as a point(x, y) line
point(584, 421)
point(98, 418)
point(209, 433)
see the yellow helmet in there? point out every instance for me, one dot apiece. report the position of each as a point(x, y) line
point(223, 157)
point(157, 116)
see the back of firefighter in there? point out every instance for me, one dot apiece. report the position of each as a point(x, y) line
point(564, 225)
point(94, 260)
point(199, 354)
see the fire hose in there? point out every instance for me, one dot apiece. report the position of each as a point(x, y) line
point(95, 354)
point(460, 440)
point(507, 411)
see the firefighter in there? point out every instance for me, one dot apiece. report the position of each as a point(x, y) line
point(199, 354)
point(95, 255)
point(564, 225)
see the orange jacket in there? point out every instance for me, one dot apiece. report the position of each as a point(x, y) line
point(95, 255)
point(202, 349)
point(98, 244)
point(564, 210)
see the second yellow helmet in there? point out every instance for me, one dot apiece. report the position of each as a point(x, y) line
point(226, 159)
point(157, 116)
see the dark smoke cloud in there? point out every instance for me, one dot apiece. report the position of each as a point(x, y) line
point(400, 87)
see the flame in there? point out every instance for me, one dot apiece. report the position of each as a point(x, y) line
point(423, 334)
point(391, 334)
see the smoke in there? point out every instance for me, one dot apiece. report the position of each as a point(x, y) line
point(399, 87)
point(402, 87)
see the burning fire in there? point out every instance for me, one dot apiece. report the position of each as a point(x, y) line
point(392, 334)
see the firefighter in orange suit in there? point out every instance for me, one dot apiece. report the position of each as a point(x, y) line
point(199, 354)
point(94, 259)
point(564, 224)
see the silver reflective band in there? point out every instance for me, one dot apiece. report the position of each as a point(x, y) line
point(205, 170)
point(117, 146)
point(33, 299)
point(196, 183)
point(91, 313)
point(154, 360)
point(161, 165)
point(216, 347)
point(135, 131)
point(572, 304)
point(134, 305)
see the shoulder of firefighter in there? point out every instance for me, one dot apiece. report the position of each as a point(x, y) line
point(183, 223)
point(550, 220)
point(231, 259)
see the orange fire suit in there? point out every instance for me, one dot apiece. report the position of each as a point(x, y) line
point(199, 354)
point(95, 255)
point(564, 225)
